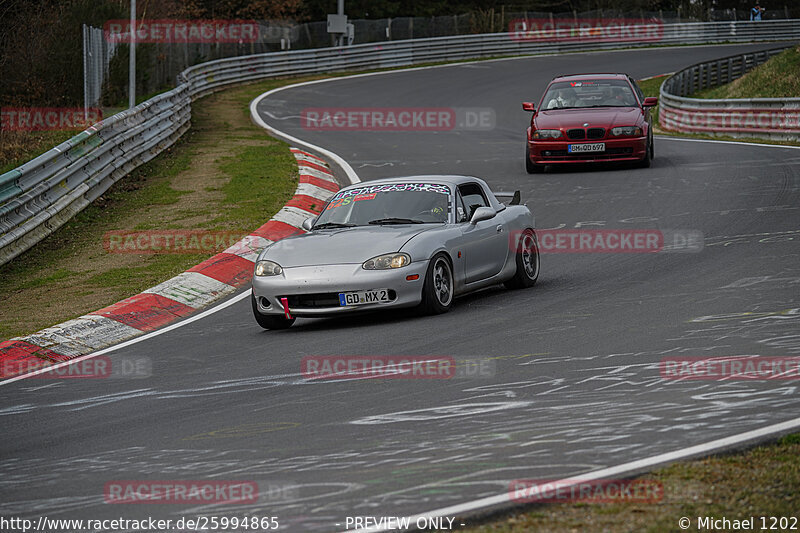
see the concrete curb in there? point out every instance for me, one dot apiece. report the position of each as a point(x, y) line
point(205, 283)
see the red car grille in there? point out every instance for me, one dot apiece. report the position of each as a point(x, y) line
point(595, 133)
point(578, 134)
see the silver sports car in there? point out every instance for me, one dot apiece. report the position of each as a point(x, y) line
point(397, 242)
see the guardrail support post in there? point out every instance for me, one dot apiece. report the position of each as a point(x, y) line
point(132, 59)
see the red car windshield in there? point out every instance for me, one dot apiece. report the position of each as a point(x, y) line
point(588, 93)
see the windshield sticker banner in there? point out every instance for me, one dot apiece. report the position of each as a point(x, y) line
point(369, 191)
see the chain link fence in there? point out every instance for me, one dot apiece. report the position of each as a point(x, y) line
point(97, 54)
point(164, 61)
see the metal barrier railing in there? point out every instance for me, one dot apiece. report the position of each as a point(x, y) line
point(41, 195)
point(770, 118)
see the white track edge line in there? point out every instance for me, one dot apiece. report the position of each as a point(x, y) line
point(714, 141)
point(218, 307)
point(630, 467)
point(350, 174)
point(348, 170)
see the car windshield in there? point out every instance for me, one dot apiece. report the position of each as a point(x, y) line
point(588, 93)
point(394, 203)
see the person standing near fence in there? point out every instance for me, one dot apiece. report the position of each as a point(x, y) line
point(755, 13)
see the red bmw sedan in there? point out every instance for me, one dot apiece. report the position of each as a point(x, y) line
point(588, 118)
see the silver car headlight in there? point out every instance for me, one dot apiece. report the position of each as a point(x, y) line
point(387, 261)
point(268, 268)
point(546, 134)
point(626, 130)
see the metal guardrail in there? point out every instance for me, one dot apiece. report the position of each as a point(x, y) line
point(770, 118)
point(403, 53)
point(41, 195)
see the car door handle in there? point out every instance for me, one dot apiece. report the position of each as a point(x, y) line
point(499, 228)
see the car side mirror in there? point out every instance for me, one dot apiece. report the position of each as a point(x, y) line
point(650, 101)
point(528, 106)
point(308, 223)
point(482, 213)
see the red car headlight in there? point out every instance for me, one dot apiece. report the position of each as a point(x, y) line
point(630, 131)
point(546, 134)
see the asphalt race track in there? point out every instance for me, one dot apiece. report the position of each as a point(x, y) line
point(574, 362)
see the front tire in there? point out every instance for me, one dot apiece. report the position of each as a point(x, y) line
point(648, 155)
point(530, 166)
point(527, 257)
point(270, 321)
point(437, 291)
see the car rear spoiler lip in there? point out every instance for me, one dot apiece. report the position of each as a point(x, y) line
point(514, 197)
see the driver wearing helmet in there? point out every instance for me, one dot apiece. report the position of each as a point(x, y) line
point(565, 97)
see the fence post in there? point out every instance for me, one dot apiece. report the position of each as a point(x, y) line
point(85, 78)
point(132, 59)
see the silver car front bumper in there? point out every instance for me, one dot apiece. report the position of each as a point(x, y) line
point(310, 290)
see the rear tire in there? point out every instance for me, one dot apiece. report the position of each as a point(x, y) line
point(437, 291)
point(530, 166)
point(270, 321)
point(527, 257)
